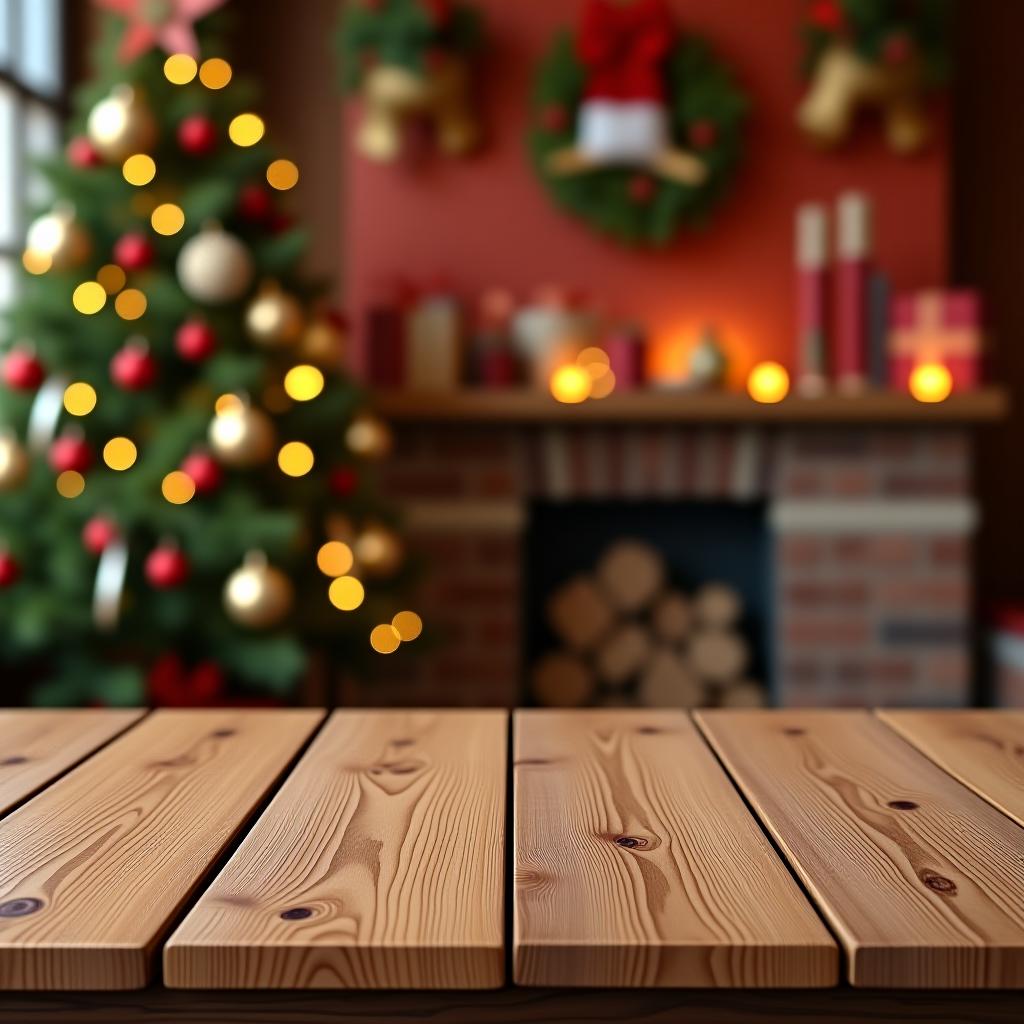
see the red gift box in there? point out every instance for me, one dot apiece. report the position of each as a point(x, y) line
point(936, 327)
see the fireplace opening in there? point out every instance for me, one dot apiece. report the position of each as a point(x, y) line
point(658, 603)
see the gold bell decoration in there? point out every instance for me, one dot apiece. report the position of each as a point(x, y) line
point(274, 317)
point(256, 594)
point(323, 342)
point(56, 240)
point(240, 435)
point(121, 124)
point(378, 551)
point(844, 83)
point(214, 267)
point(13, 462)
point(368, 436)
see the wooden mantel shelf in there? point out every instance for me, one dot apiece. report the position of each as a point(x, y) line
point(653, 406)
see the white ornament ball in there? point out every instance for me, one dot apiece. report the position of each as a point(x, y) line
point(121, 124)
point(13, 463)
point(58, 237)
point(214, 267)
point(256, 594)
point(242, 436)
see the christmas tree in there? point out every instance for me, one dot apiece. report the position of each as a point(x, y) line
point(187, 507)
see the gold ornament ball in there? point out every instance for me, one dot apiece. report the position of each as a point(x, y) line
point(368, 436)
point(242, 436)
point(214, 267)
point(257, 595)
point(274, 318)
point(121, 124)
point(13, 463)
point(379, 551)
point(58, 239)
point(323, 343)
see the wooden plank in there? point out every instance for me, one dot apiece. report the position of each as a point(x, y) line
point(41, 743)
point(922, 881)
point(379, 864)
point(636, 863)
point(983, 748)
point(94, 868)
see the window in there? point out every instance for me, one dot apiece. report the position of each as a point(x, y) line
point(31, 110)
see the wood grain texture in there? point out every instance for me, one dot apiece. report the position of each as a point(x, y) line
point(922, 881)
point(379, 864)
point(93, 869)
point(984, 749)
point(41, 743)
point(636, 863)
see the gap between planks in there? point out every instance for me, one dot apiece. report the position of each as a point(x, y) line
point(921, 880)
point(638, 865)
point(98, 864)
point(378, 864)
point(981, 747)
point(42, 744)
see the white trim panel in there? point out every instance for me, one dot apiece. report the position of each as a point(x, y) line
point(944, 515)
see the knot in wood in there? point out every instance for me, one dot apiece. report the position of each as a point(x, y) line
point(632, 842)
point(222, 733)
point(14, 759)
point(793, 730)
point(20, 907)
point(396, 767)
point(903, 805)
point(296, 914)
point(939, 884)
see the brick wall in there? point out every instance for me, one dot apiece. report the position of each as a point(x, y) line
point(872, 535)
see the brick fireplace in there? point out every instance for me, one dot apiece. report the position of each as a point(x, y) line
point(869, 545)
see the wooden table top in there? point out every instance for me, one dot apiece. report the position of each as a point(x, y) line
point(644, 849)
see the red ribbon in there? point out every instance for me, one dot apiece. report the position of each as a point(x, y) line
point(623, 47)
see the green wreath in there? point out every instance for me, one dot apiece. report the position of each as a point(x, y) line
point(706, 112)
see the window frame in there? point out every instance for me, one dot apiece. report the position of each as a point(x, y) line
point(69, 23)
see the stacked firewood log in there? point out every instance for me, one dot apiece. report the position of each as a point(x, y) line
point(629, 637)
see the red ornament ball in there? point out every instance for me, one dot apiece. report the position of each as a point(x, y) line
point(343, 481)
point(195, 341)
point(22, 370)
point(166, 567)
point(133, 251)
point(197, 135)
point(97, 533)
point(10, 571)
point(254, 203)
point(897, 49)
point(642, 188)
point(702, 134)
point(82, 153)
point(70, 453)
point(827, 15)
point(170, 684)
point(133, 368)
point(205, 471)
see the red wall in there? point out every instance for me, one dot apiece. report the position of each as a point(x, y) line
point(487, 221)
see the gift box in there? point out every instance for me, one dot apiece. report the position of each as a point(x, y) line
point(936, 327)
